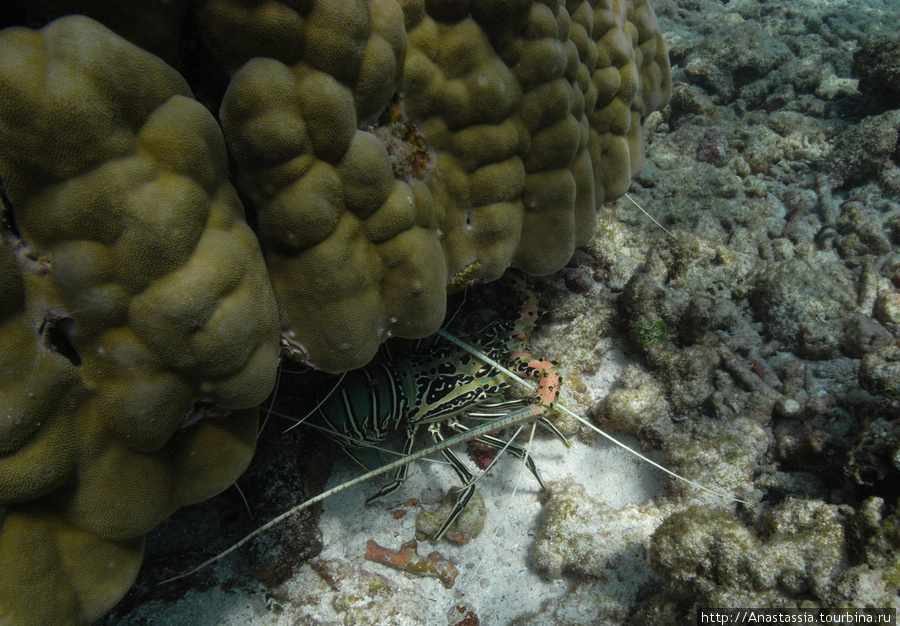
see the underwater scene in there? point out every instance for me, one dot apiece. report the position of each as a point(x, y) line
point(628, 269)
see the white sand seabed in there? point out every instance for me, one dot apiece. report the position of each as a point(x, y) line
point(506, 585)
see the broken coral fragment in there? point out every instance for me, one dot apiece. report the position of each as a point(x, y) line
point(407, 559)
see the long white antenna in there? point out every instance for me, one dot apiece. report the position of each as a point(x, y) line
point(519, 417)
point(652, 219)
point(527, 385)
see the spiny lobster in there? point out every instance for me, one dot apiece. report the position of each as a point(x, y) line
point(367, 406)
point(434, 388)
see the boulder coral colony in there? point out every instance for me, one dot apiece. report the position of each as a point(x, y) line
point(143, 312)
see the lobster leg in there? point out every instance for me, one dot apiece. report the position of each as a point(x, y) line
point(468, 479)
point(464, 494)
point(402, 471)
point(543, 421)
point(518, 451)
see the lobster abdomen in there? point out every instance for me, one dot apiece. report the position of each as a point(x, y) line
point(367, 405)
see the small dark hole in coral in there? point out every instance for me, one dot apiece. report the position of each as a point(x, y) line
point(203, 409)
point(55, 333)
point(744, 76)
point(7, 218)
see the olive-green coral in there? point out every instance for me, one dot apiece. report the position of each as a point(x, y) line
point(353, 252)
point(531, 112)
point(138, 330)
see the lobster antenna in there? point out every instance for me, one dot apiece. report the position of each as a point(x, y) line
point(527, 385)
point(515, 486)
point(271, 402)
point(465, 297)
point(244, 498)
point(498, 455)
point(513, 419)
point(316, 408)
point(652, 219)
point(348, 439)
